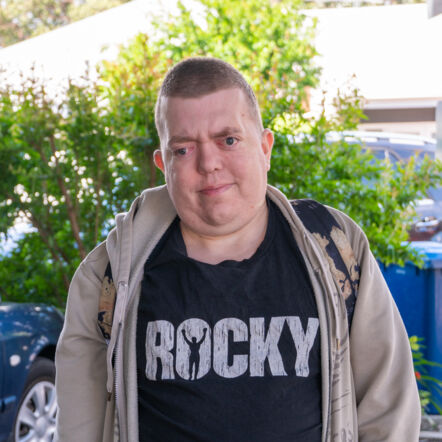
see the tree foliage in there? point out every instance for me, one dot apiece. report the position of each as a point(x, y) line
point(71, 162)
point(62, 166)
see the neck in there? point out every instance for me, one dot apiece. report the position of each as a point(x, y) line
point(238, 245)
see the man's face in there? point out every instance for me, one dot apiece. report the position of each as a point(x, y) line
point(215, 160)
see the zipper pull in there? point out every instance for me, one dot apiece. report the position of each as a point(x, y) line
point(122, 297)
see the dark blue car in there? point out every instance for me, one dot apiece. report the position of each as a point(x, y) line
point(28, 336)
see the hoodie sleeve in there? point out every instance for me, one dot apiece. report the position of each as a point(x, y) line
point(81, 358)
point(387, 399)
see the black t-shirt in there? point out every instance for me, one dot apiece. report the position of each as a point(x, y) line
point(229, 352)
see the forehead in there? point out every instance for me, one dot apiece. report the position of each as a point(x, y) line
point(224, 107)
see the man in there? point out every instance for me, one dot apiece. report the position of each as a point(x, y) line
point(228, 322)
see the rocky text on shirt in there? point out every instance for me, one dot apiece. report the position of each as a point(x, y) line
point(194, 342)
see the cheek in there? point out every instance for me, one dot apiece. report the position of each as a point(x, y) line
point(178, 180)
point(250, 169)
point(172, 174)
point(254, 180)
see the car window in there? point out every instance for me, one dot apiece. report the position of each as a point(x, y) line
point(382, 154)
point(378, 153)
point(403, 153)
point(393, 156)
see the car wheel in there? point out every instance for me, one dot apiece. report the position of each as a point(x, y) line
point(35, 419)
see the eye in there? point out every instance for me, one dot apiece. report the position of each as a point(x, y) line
point(230, 141)
point(181, 151)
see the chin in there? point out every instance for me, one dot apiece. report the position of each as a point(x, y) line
point(211, 223)
point(218, 220)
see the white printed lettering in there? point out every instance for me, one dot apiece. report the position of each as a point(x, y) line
point(221, 351)
point(266, 347)
point(303, 342)
point(165, 331)
point(193, 347)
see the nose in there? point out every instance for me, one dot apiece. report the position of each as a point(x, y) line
point(209, 159)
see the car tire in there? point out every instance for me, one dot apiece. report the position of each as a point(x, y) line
point(35, 418)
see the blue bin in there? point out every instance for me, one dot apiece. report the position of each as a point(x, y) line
point(418, 295)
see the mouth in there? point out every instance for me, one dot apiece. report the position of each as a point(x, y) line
point(215, 190)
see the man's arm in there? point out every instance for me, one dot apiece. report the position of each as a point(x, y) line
point(203, 337)
point(387, 399)
point(81, 359)
point(188, 341)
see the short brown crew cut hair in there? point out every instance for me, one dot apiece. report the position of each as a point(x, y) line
point(198, 76)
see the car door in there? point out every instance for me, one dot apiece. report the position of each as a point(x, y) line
point(13, 336)
point(26, 330)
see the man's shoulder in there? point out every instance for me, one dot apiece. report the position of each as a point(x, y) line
point(312, 208)
point(353, 232)
point(312, 214)
point(97, 254)
point(94, 265)
point(321, 217)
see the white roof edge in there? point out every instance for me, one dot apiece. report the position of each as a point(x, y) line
point(405, 103)
point(392, 135)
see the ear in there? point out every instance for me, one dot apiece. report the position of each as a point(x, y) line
point(158, 159)
point(267, 140)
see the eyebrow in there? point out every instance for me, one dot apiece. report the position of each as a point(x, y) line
point(179, 139)
point(228, 130)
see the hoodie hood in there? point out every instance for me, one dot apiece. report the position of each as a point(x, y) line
point(135, 232)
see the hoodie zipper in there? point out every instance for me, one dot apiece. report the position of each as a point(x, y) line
point(118, 351)
point(121, 315)
point(113, 351)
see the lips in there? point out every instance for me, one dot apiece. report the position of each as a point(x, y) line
point(215, 190)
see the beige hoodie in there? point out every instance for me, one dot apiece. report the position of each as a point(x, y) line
point(369, 392)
